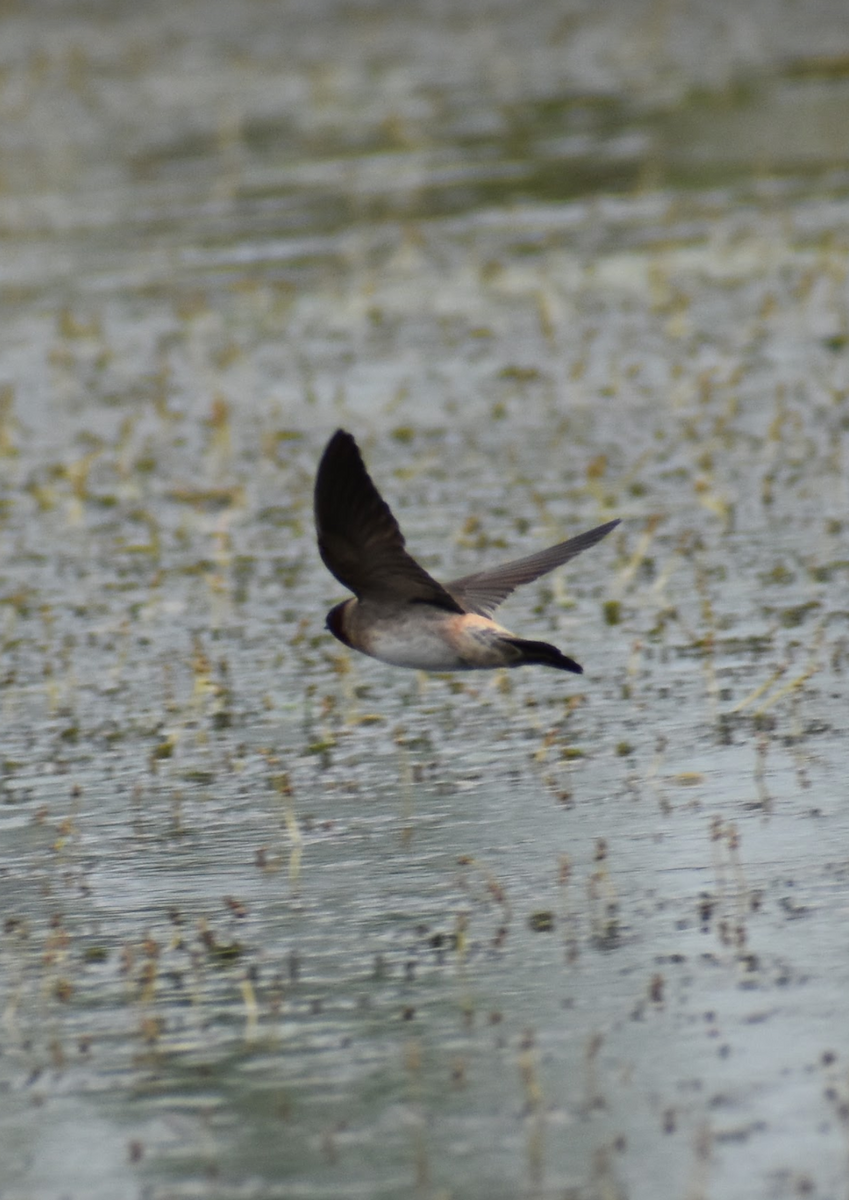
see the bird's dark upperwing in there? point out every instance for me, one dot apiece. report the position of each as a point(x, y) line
point(358, 537)
point(484, 591)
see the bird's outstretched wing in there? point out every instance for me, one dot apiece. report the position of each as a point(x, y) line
point(358, 537)
point(485, 590)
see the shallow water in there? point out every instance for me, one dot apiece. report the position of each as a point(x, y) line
point(283, 922)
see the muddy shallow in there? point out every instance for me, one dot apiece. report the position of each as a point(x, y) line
point(283, 922)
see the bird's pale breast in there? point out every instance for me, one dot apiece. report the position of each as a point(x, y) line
point(431, 640)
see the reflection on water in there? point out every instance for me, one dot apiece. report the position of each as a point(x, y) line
point(278, 922)
point(159, 133)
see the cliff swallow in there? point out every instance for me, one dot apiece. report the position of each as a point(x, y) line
point(401, 615)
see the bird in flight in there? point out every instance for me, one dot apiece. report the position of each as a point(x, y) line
point(399, 613)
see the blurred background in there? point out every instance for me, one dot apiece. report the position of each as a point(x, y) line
point(279, 922)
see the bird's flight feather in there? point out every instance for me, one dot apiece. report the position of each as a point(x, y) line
point(483, 591)
point(358, 537)
point(362, 545)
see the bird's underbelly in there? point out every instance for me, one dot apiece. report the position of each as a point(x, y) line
point(448, 644)
point(423, 650)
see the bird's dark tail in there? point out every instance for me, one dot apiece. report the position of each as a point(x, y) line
point(544, 654)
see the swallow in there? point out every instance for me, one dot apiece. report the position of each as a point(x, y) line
point(399, 614)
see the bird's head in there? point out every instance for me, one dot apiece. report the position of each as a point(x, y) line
point(335, 622)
